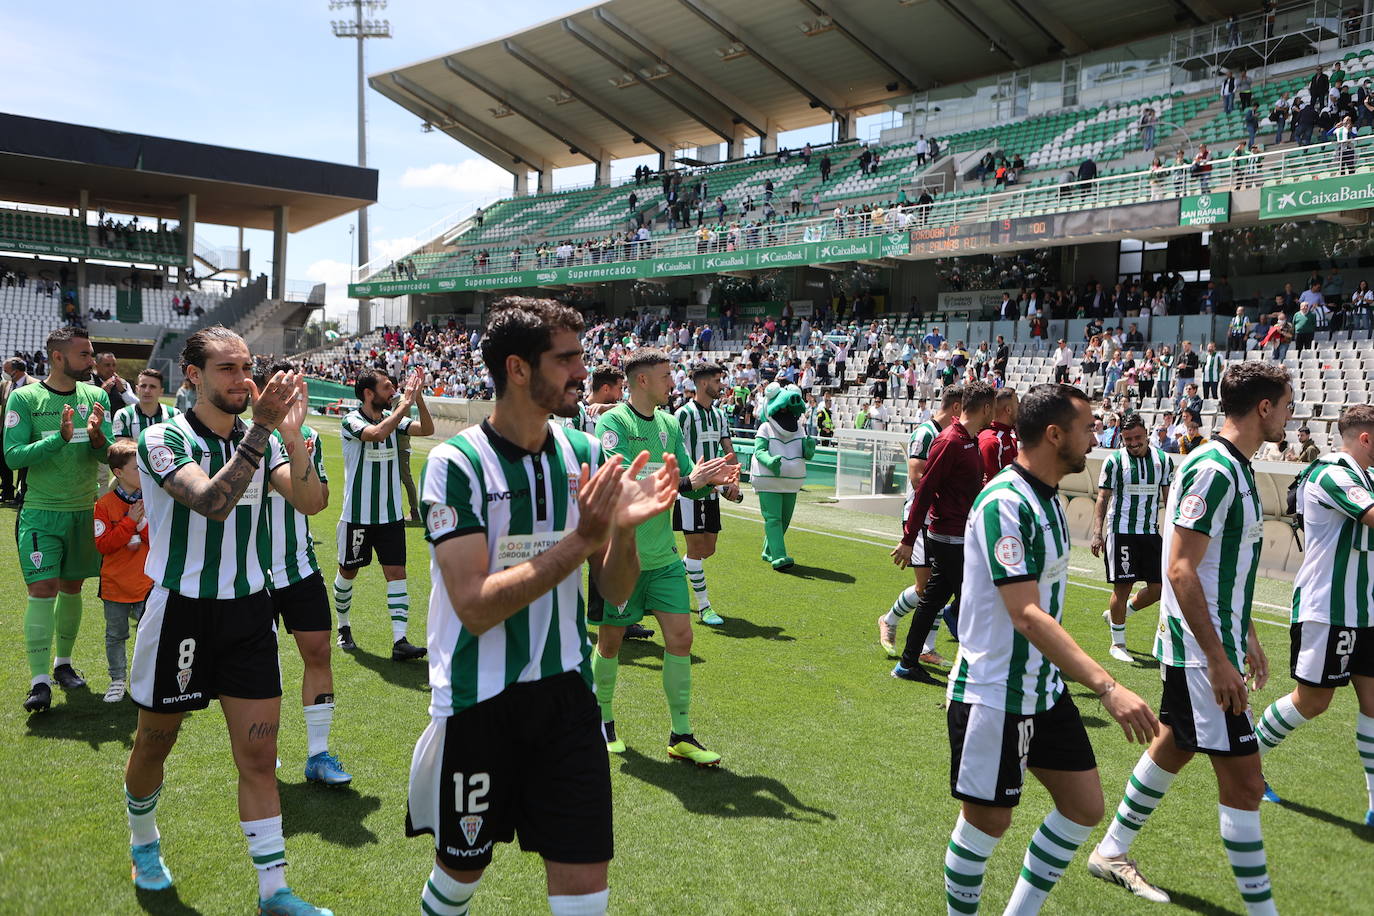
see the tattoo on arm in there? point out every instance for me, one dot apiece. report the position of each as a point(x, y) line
point(214, 497)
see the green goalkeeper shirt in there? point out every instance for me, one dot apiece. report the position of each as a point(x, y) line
point(62, 475)
point(626, 432)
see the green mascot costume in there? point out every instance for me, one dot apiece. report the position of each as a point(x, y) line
point(781, 449)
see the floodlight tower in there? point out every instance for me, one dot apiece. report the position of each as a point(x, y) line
point(361, 29)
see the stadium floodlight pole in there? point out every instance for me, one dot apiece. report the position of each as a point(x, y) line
point(361, 29)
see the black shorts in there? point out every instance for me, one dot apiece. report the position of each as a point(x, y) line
point(531, 762)
point(596, 605)
point(1134, 558)
point(696, 516)
point(191, 650)
point(357, 542)
point(1324, 655)
point(990, 749)
point(1198, 723)
point(303, 606)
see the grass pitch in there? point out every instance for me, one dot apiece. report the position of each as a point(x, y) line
point(833, 796)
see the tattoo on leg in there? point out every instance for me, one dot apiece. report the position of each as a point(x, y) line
point(262, 731)
point(159, 735)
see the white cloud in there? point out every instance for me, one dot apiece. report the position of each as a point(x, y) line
point(390, 249)
point(470, 176)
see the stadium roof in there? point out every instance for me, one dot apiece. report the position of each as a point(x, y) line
point(47, 162)
point(626, 78)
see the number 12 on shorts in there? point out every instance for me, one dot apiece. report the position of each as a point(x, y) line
point(474, 789)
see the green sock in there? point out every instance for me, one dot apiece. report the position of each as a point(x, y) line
point(604, 671)
point(68, 623)
point(38, 619)
point(677, 686)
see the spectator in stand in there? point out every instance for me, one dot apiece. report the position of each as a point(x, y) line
point(1305, 450)
point(1304, 325)
point(1228, 91)
point(1147, 123)
point(1192, 436)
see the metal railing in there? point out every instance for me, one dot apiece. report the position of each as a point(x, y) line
point(450, 229)
point(1168, 183)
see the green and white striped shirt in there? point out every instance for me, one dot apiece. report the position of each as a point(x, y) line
point(1216, 495)
point(290, 550)
point(130, 422)
point(372, 472)
point(1136, 484)
point(1212, 366)
point(523, 502)
point(1333, 586)
point(703, 429)
point(188, 553)
point(1016, 532)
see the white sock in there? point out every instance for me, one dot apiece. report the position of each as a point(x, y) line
point(579, 904)
point(267, 849)
point(1051, 849)
point(343, 598)
point(1118, 634)
point(1244, 842)
point(1144, 791)
point(317, 721)
point(142, 817)
point(1277, 723)
point(905, 604)
point(41, 679)
point(398, 604)
point(445, 895)
point(929, 644)
point(1364, 743)
point(966, 858)
point(696, 576)
point(61, 660)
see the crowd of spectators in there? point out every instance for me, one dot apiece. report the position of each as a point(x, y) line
point(114, 234)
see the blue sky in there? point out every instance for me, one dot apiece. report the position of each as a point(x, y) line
point(271, 76)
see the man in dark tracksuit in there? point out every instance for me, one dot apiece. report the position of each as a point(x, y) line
point(952, 479)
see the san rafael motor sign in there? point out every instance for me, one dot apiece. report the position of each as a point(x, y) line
point(1205, 209)
point(870, 247)
point(1324, 195)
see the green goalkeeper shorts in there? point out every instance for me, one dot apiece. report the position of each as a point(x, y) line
point(662, 589)
point(57, 545)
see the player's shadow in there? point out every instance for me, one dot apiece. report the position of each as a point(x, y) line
point(718, 792)
point(739, 628)
point(1145, 660)
point(1360, 831)
point(818, 572)
point(645, 653)
point(164, 903)
point(1195, 904)
point(411, 675)
point(333, 813)
point(81, 715)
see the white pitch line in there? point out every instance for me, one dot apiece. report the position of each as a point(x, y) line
point(1096, 588)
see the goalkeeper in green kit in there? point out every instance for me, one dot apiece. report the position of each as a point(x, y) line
point(58, 430)
point(626, 430)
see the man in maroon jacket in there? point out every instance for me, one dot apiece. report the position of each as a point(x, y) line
point(998, 442)
point(953, 477)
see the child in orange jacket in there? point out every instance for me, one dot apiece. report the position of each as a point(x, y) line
point(120, 532)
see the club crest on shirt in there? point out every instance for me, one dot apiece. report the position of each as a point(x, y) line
point(83, 409)
point(663, 437)
point(183, 678)
point(472, 825)
point(36, 558)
